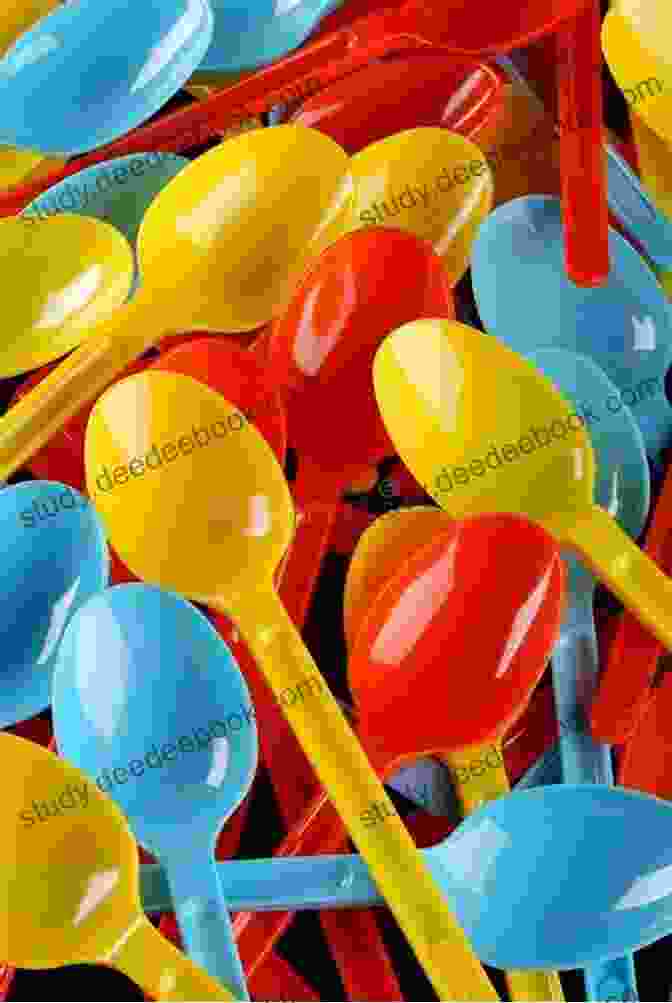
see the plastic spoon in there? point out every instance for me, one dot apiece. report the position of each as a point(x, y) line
point(412, 90)
point(623, 489)
point(224, 550)
point(445, 182)
point(63, 276)
point(104, 192)
point(140, 670)
point(625, 326)
point(321, 352)
point(429, 376)
point(54, 559)
point(70, 886)
point(127, 61)
point(331, 57)
point(634, 45)
point(469, 720)
point(255, 210)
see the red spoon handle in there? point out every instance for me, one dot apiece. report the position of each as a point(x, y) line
point(584, 194)
point(296, 76)
point(624, 692)
point(360, 954)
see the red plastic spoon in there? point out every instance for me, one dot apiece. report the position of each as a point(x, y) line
point(436, 604)
point(417, 24)
point(321, 352)
point(646, 763)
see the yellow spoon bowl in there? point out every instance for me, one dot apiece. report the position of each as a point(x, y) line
point(431, 182)
point(63, 276)
point(635, 42)
point(485, 431)
point(69, 882)
point(221, 248)
point(195, 501)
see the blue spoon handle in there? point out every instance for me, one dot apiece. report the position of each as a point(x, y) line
point(322, 882)
point(203, 917)
point(575, 677)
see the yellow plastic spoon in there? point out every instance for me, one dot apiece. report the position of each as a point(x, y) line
point(485, 431)
point(63, 275)
point(220, 249)
point(432, 182)
point(157, 444)
point(69, 883)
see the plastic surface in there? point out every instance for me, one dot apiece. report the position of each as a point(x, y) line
point(128, 67)
point(224, 550)
point(625, 326)
point(77, 898)
point(54, 559)
point(172, 686)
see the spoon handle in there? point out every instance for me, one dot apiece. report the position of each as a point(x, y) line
point(575, 673)
point(160, 969)
point(203, 917)
point(480, 776)
point(30, 423)
point(618, 562)
point(396, 864)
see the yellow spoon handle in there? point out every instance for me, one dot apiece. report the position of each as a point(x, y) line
point(479, 775)
point(77, 380)
point(160, 969)
point(618, 562)
point(396, 864)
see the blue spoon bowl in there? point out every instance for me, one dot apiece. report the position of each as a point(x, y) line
point(253, 33)
point(55, 558)
point(525, 298)
point(115, 191)
point(90, 72)
point(149, 702)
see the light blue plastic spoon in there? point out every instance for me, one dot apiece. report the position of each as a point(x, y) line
point(90, 72)
point(54, 558)
point(623, 488)
point(251, 33)
point(525, 298)
point(149, 701)
point(116, 191)
point(546, 878)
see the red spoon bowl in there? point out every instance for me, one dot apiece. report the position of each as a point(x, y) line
point(471, 618)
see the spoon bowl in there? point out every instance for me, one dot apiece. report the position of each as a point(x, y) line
point(625, 325)
point(127, 68)
point(56, 558)
point(429, 181)
point(64, 276)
